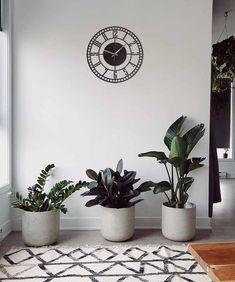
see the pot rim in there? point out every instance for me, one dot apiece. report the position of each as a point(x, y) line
point(118, 208)
point(38, 212)
point(187, 206)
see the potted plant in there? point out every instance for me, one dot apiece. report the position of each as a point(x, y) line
point(41, 210)
point(225, 154)
point(222, 64)
point(114, 192)
point(178, 216)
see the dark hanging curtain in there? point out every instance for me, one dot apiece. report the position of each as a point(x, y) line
point(214, 184)
point(219, 137)
point(220, 115)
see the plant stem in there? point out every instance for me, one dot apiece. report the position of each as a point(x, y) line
point(181, 203)
point(167, 197)
point(177, 173)
point(177, 186)
point(171, 183)
point(172, 191)
point(168, 173)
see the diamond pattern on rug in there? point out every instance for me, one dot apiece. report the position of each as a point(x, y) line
point(101, 264)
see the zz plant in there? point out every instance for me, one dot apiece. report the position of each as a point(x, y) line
point(112, 188)
point(38, 200)
point(178, 164)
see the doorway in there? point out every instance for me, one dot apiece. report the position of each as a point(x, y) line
point(223, 111)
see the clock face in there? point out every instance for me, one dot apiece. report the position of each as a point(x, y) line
point(114, 54)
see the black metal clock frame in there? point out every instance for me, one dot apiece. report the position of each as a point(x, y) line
point(114, 54)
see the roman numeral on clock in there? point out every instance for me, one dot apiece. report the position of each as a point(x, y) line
point(115, 33)
point(97, 64)
point(132, 43)
point(104, 36)
point(105, 71)
point(133, 65)
point(97, 43)
point(125, 71)
point(94, 54)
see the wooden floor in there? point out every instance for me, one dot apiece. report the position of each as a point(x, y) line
point(223, 225)
point(217, 259)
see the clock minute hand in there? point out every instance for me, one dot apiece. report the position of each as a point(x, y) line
point(119, 49)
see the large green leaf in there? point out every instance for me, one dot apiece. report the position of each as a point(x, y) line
point(184, 183)
point(161, 187)
point(194, 163)
point(190, 135)
point(144, 187)
point(173, 130)
point(176, 161)
point(193, 136)
point(178, 150)
point(178, 147)
point(154, 154)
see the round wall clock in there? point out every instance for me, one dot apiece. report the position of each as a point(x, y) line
point(114, 54)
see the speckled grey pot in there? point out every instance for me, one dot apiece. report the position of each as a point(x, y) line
point(40, 228)
point(179, 224)
point(117, 224)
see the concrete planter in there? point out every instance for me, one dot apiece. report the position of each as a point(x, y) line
point(117, 224)
point(179, 224)
point(40, 228)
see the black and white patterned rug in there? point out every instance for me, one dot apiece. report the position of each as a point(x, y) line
point(101, 264)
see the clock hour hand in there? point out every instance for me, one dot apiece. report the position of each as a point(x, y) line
point(109, 52)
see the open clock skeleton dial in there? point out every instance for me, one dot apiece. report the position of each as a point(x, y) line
point(114, 54)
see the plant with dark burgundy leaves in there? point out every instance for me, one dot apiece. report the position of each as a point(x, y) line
point(112, 188)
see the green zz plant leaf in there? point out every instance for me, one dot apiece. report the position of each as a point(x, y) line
point(38, 200)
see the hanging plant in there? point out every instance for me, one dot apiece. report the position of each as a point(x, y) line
point(223, 63)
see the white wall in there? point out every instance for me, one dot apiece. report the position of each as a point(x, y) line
point(66, 115)
point(219, 8)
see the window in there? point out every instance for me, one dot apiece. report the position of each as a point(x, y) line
point(5, 97)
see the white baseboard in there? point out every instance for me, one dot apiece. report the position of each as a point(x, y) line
point(93, 223)
point(155, 223)
point(5, 229)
